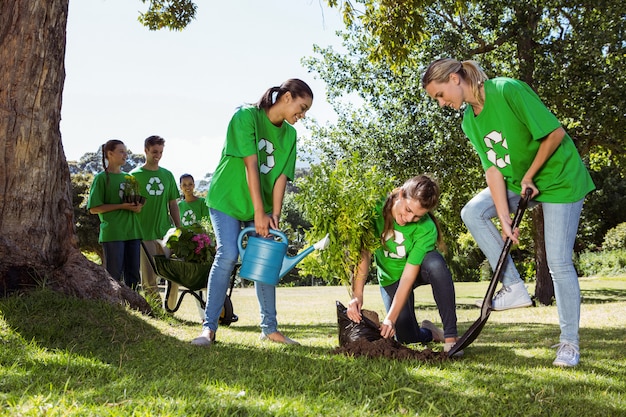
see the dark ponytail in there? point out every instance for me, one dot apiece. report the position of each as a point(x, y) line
point(109, 146)
point(296, 87)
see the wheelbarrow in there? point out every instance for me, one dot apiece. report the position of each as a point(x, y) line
point(193, 277)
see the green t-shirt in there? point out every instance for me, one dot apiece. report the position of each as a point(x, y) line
point(116, 225)
point(250, 132)
point(409, 244)
point(159, 187)
point(193, 212)
point(507, 134)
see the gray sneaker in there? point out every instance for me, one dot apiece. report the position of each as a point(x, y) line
point(568, 355)
point(508, 297)
point(449, 345)
point(205, 339)
point(436, 331)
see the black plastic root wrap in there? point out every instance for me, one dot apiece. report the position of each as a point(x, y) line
point(350, 331)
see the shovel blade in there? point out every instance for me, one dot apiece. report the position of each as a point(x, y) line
point(474, 330)
point(470, 335)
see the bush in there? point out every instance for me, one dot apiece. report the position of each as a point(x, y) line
point(466, 264)
point(604, 263)
point(615, 238)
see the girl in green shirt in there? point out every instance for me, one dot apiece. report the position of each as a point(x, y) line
point(191, 207)
point(521, 145)
point(408, 258)
point(247, 188)
point(120, 231)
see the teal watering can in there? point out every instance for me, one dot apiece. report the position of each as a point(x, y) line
point(265, 260)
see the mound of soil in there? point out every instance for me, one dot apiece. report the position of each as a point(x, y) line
point(388, 348)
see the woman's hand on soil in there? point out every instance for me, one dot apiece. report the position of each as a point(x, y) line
point(354, 310)
point(387, 329)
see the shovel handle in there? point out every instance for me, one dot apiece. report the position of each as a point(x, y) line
point(472, 333)
point(497, 274)
point(521, 207)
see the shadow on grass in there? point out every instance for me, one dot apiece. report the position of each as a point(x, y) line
point(604, 295)
point(588, 296)
point(107, 355)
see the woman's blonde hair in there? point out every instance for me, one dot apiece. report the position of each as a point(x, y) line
point(421, 188)
point(441, 69)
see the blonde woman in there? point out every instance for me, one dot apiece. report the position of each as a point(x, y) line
point(521, 145)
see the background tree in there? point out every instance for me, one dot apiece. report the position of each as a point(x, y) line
point(38, 240)
point(552, 46)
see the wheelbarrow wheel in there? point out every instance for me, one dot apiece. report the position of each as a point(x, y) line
point(227, 317)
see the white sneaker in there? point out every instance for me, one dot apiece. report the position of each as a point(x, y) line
point(207, 338)
point(508, 297)
point(568, 355)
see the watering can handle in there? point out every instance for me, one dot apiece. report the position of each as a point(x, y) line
point(252, 229)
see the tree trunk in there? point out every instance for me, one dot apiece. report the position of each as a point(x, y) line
point(529, 19)
point(544, 289)
point(38, 242)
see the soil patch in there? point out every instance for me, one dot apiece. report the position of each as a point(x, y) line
point(388, 348)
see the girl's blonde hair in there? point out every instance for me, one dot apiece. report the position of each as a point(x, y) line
point(441, 69)
point(421, 188)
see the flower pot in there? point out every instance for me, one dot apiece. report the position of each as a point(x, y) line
point(135, 198)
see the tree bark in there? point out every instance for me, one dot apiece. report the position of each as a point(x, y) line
point(38, 242)
point(529, 18)
point(544, 288)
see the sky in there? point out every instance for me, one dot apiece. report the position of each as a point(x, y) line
point(126, 82)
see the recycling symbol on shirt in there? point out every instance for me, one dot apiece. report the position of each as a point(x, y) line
point(269, 150)
point(398, 239)
point(155, 186)
point(188, 218)
point(492, 140)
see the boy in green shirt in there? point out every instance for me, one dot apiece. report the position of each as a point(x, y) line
point(159, 187)
point(193, 209)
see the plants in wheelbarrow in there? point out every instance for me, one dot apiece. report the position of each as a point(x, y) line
point(192, 244)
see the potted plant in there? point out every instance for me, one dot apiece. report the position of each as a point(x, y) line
point(131, 191)
point(192, 244)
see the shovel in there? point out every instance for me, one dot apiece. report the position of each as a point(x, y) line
point(472, 333)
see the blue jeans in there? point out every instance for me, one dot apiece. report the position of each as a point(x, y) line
point(227, 230)
point(560, 228)
point(121, 260)
point(435, 272)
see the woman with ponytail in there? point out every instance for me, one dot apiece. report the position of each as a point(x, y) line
point(247, 189)
point(120, 232)
point(522, 146)
point(407, 258)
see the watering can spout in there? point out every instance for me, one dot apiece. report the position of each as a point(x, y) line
point(291, 261)
point(323, 243)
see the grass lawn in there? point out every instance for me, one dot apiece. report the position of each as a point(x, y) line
point(62, 357)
